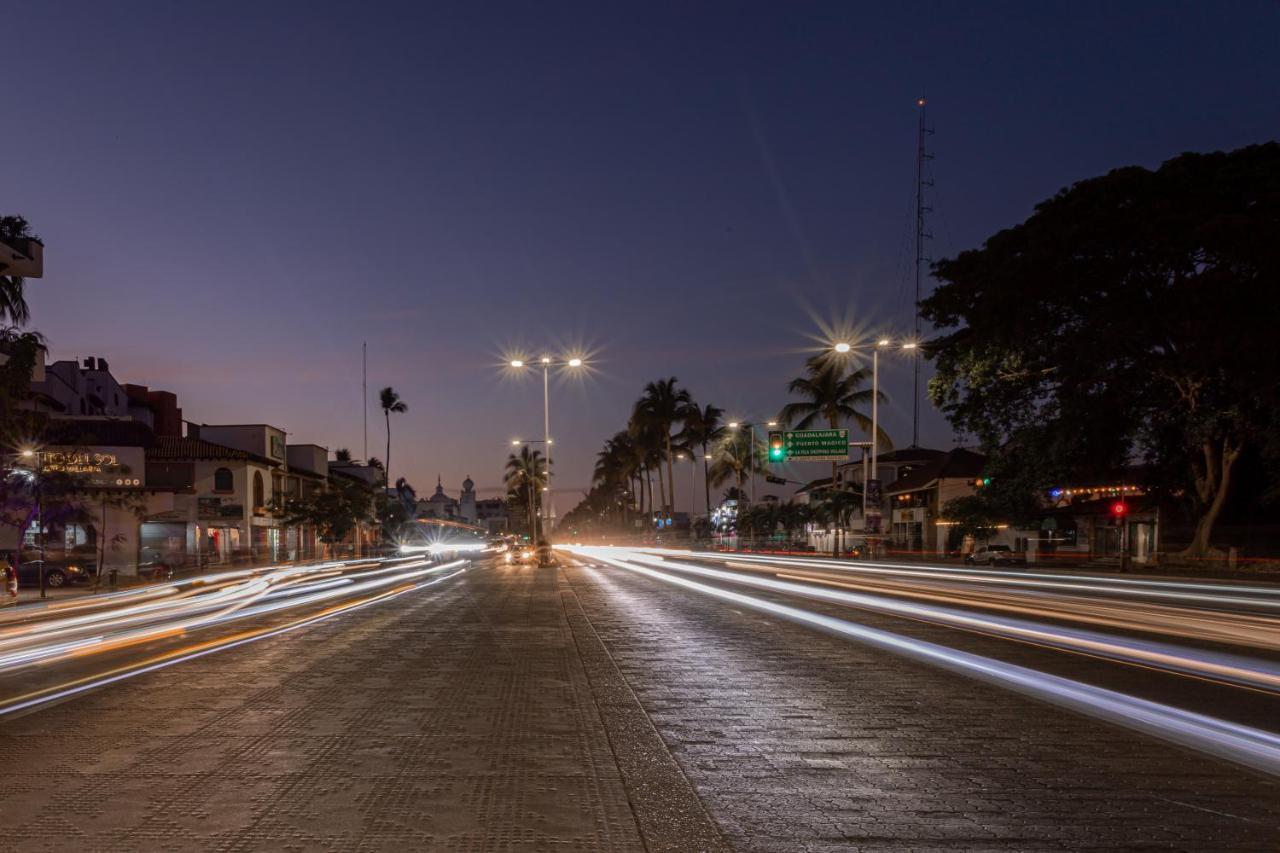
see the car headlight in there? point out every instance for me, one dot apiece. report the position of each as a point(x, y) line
point(75, 570)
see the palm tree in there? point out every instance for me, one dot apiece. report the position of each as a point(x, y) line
point(649, 448)
point(701, 427)
point(832, 392)
point(732, 458)
point(841, 504)
point(616, 464)
point(13, 305)
point(660, 407)
point(391, 402)
point(342, 455)
point(527, 472)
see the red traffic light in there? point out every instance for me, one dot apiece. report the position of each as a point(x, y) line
point(1119, 508)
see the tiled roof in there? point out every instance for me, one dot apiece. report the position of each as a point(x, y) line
point(172, 448)
point(957, 463)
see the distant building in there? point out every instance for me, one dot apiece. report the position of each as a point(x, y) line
point(440, 505)
point(491, 514)
point(916, 498)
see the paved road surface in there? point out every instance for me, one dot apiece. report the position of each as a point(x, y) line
point(581, 709)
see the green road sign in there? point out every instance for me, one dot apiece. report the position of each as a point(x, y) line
point(816, 445)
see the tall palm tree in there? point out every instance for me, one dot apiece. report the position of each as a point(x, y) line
point(342, 454)
point(527, 472)
point(660, 407)
point(615, 467)
point(701, 428)
point(733, 458)
point(13, 304)
point(391, 402)
point(832, 392)
point(649, 449)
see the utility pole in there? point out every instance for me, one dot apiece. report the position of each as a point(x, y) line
point(921, 236)
point(364, 387)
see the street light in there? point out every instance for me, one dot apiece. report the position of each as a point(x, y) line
point(38, 456)
point(751, 451)
point(881, 343)
point(693, 488)
point(547, 363)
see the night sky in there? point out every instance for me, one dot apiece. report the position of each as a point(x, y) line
point(234, 196)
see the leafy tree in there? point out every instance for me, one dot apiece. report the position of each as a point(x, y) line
point(334, 512)
point(971, 515)
point(13, 304)
point(1131, 316)
point(391, 403)
point(395, 511)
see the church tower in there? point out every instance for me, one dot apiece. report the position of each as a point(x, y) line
point(467, 502)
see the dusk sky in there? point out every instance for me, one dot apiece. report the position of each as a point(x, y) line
point(234, 196)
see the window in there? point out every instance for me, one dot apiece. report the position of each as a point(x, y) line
point(222, 481)
point(259, 500)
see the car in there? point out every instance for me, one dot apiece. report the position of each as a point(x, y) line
point(524, 554)
point(57, 573)
point(996, 555)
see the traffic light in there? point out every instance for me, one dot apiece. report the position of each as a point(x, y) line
point(1119, 509)
point(777, 452)
point(981, 482)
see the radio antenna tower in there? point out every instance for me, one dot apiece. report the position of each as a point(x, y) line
point(921, 236)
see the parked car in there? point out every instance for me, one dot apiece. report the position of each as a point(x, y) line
point(56, 572)
point(996, 555)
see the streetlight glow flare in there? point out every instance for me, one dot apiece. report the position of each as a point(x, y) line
point(842, 347)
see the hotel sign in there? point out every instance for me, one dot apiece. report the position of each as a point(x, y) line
point(101, 467)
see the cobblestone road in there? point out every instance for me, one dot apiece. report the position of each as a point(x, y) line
point(522, 709)
point(456, 719)
point(800, 741)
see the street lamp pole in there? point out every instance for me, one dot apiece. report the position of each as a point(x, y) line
point(547, 507)
point(875, 430)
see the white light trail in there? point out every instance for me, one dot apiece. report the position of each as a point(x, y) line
point(1242, 744)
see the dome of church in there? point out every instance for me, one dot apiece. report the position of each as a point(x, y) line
point(467, 484)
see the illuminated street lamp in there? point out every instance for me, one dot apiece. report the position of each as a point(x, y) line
point(751, 451)
point(547, 363)
point(881, 343)
point(38, 456)
point(693, 487)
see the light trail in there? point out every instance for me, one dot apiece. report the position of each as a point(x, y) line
point(83, 685)
point(1182, 592)
point(1242, 744)
point(1258, 675)
point(202, 603)
point(1191, 619)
